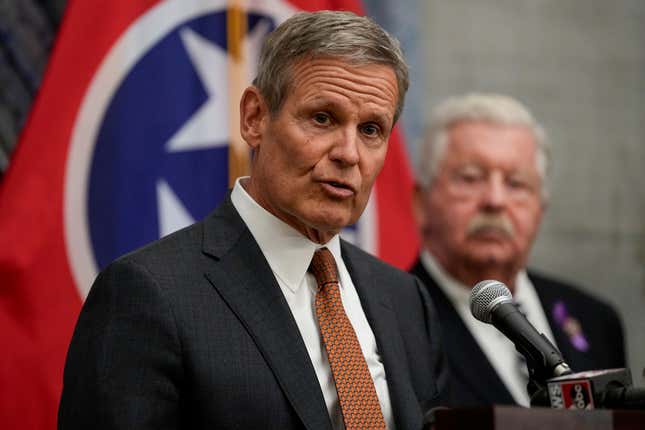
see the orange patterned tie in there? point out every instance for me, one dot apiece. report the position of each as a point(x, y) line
point(356, 393)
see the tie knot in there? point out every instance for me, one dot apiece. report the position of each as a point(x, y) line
point(323, 267)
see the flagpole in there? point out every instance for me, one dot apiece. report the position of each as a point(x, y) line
point(238, 152)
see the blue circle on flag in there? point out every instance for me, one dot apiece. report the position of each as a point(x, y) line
point(131, 161)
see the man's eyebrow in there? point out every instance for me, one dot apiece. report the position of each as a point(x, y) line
point(324, 103)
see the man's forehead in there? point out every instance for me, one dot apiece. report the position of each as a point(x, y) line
point(329, 80)
point(488, 135)
point(512, 147)
point(304, 64)
point(489, 125)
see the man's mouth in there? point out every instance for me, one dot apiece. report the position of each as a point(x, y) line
point(338, 189)
point(340, 185)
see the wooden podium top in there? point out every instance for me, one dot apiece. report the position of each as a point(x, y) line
point(510, 418)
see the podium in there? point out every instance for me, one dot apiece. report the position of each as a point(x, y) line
point(512, 418)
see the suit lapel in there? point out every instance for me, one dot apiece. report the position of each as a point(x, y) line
point(243, 278)
point(380, 314)
point(547, 302)
point(469, 364)
point(573, 357)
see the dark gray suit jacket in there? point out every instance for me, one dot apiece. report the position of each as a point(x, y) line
point(474, 380)
point(193, 331)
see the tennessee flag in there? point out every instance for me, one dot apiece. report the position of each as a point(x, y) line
point(131, 138)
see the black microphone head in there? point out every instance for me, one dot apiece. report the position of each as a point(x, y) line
point(485, 296)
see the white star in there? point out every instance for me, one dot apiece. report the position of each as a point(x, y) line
point(252, 45)
point(172, 214)
point(208, 127)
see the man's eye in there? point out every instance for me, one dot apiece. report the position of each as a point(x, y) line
point(522, 184)
point(517, 183)
point(370, 130)
point(322, 118)
point(469, 175)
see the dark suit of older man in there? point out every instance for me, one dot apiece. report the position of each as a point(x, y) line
point(476, 383)
point(480, 198)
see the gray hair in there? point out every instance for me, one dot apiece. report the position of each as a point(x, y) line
point(495, 108)
point(356, 39)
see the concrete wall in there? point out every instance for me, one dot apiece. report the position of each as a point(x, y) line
point(580, 66)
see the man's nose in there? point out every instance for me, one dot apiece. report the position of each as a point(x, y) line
point(345, 146)
point(495, 194)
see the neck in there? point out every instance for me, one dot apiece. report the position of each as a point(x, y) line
point(316, 235)
point(469, 273)
point(470, 278)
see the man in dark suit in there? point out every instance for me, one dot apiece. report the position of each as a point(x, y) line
point(479, 200)
point(260, 316)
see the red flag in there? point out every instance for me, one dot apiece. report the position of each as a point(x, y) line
point(39, 303)
point(397, 230)
point(51, 246)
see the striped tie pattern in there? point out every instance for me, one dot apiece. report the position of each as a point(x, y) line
point(356, 393)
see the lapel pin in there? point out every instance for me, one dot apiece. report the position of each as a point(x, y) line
point(570, 326)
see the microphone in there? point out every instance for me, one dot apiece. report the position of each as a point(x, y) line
point(491, 302)
point(552, 383)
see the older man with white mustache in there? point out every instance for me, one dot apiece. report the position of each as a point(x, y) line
point(480, 196)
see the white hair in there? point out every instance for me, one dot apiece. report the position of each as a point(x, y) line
point(495, 108)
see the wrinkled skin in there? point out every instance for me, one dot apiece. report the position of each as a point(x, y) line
point(482, 211)
point(316, 159)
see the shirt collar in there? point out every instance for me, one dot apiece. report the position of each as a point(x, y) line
point(287, 251)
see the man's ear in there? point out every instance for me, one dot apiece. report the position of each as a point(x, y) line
point(253, 116)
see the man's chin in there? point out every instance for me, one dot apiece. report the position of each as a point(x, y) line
point(332, 220)
point(332, 226)
point(491, 256)
point(328, 226)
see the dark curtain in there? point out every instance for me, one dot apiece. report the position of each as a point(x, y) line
point(27, 30)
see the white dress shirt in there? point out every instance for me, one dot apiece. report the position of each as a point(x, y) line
point(289, 253)
point(500, 351)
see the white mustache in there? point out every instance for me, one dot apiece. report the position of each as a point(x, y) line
point(490, 222)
